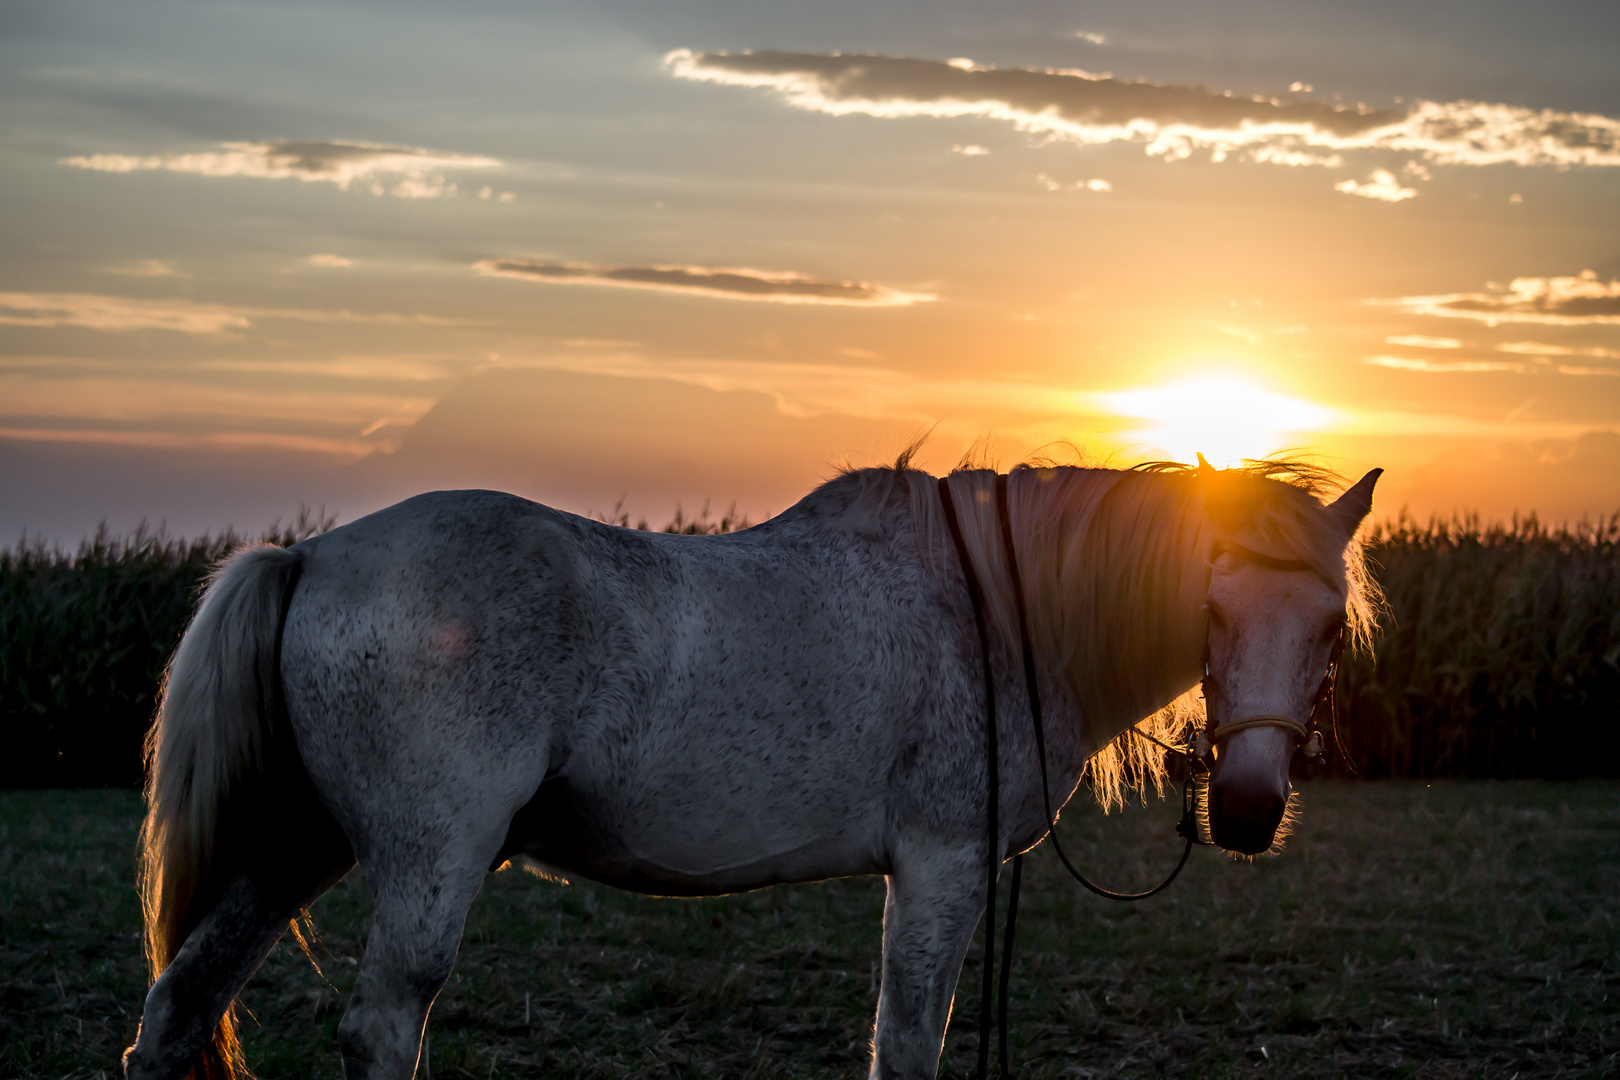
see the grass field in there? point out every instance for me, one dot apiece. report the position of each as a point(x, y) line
point(1459, 929)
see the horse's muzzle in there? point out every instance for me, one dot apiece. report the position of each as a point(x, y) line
point(1244, 819)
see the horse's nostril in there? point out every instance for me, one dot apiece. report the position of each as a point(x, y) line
point(1244, 819)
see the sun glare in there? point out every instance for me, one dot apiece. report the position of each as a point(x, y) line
point(1223, 419)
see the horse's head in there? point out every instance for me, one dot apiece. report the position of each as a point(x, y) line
point(1275, 623)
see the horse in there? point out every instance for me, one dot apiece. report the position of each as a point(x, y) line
point(468, 678)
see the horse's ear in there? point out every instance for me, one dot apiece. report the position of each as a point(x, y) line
point(1348, 509)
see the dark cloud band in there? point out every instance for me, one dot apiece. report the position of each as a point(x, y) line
point(1076, 97)
point(730, 283)
point(1172, 121)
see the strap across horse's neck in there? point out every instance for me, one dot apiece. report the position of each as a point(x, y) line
point(976, 596)
point(1037, 717)
point(993, 795)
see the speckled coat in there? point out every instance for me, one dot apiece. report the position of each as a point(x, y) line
point(468, 677)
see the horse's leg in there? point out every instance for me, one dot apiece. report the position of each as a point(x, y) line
point(420, 892)
point(934, 903)
point(218, 957)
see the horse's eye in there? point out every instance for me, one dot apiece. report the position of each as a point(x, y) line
point(1216, 615)
point(1332, 630)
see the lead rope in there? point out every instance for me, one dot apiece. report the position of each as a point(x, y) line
point(1186, 828)
point(1039, 719)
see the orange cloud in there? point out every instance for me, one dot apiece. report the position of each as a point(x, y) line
point(232, 440)
point(1380, 185)
point(1537, 348)
point(1582, 300)
point(1402, 363)
point(113, 314)
point(1423, 341)
point(117, 313)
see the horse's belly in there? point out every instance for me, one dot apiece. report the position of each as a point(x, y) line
point(679, 847)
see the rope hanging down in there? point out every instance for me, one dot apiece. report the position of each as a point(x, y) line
point(1187, 828)
point(1033, 690)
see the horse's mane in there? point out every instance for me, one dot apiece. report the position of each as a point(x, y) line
point(1123, 556)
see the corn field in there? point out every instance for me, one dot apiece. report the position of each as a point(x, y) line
point(1499, 654)
point(84, 637)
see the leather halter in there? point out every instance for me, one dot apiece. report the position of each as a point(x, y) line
point(1308, 739)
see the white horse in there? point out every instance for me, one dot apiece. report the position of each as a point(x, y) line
point(468, 677)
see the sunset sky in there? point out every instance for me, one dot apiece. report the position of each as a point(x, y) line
point(259, 255)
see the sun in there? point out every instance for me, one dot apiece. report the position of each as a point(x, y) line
point(1226, 420)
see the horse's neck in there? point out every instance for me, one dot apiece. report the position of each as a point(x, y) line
point(1146, 634)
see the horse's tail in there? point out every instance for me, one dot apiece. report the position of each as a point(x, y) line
point(208, 755)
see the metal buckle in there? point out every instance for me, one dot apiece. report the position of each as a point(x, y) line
point(1314, 749)
point(1202, 751)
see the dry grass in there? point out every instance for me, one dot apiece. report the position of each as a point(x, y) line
point(1461, 930)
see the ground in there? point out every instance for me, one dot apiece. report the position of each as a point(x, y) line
point(1463, 929)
